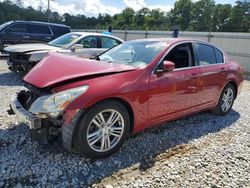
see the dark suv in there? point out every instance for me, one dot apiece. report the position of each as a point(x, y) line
point(17, 32)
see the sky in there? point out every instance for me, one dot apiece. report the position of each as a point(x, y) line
point(94, 7)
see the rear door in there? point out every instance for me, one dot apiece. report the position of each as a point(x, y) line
point(213, 73)
point(40, 33)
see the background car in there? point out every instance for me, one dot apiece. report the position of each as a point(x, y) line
point(19, 32)
point(133, 86)
point(23, 57)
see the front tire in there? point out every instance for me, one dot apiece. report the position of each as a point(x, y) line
point(103, 129)
point(226, 100)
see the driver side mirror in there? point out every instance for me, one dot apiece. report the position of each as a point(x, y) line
point(76, 47)
point(166, 66)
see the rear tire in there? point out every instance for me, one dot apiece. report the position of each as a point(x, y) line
point(102, 129)
point(226, 100)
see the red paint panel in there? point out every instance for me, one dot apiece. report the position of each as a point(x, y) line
point(56, 68)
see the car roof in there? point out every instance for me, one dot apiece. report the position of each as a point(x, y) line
point(169, 40)
point(37, 22)
point(175, 40)
point(96, 34)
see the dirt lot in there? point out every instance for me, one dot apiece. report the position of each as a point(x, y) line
point(203, 150)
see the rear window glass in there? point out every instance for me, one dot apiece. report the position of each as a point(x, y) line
point(219, 56)
point(58, 30)
point(108, 42)
point(40, 29)
point(206, 54)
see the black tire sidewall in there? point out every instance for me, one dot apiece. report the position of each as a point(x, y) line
point(82, 143)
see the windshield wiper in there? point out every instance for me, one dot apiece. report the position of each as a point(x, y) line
point(96, 58)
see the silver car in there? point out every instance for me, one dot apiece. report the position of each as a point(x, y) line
point(23, 57)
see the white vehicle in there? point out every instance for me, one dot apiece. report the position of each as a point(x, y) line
point(22, 57)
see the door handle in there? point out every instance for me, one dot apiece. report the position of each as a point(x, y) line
point(48, 37)
point(194, 76)
point(26, 37)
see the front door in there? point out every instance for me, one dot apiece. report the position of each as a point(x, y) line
point(91, 47)
point(16, 34)
point(176, 92)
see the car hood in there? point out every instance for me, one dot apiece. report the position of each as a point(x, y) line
point(56, 68)
point(24, 48)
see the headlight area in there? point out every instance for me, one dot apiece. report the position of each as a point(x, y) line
point(54, 104)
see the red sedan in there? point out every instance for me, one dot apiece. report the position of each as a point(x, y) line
point(95, 104)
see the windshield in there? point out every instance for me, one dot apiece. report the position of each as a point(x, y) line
point(5, 24)
point(64, 40)
point(135, 53)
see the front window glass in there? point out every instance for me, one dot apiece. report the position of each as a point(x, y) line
point(5, 24)
point(89, 42)
point(65, 40)
point(181, 56)
point(135, 53)
point(19, 28)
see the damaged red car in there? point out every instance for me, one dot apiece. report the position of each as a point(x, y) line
point(95, 104)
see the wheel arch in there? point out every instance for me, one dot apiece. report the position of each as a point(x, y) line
point(234, 84)
point(69, 131)
point(126, 104)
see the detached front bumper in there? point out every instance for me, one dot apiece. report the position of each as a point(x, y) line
point(21, 66)
point(19, 62)
point(13, 66)
point(24, 116)
point(38, 131)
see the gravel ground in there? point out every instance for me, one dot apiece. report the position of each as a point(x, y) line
point(203, 150)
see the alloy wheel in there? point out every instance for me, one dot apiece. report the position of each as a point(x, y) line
point(227, 99)
point(105, 130)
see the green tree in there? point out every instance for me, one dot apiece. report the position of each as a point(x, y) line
point(180, 15)
point(127, 17)
point(240, 18)
point(202, 15)
point(156, 19)
point(19, 3)
point(140, 17)
point(221, 17)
